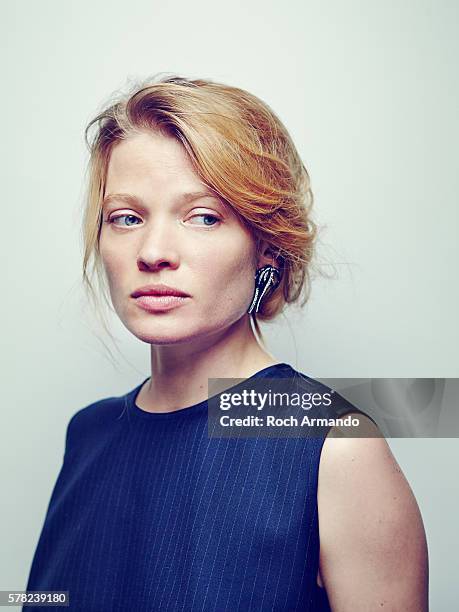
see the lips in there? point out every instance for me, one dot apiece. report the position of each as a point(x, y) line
point(158, 289)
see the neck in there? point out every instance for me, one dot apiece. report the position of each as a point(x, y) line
point(180, 373)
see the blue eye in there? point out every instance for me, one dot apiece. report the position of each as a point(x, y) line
point(208, 215)
point(112, 219)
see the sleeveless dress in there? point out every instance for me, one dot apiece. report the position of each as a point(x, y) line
point(149, 513)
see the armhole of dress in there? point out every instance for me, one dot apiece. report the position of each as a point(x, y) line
point(320, 593)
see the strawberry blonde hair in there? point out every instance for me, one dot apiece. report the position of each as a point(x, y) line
point(239, 148)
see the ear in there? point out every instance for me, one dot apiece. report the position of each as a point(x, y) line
point(267, 256)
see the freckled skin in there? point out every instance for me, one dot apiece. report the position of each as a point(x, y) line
point(215, 265)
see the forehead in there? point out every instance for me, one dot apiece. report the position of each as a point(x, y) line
point(148, 167)
point(151, 157)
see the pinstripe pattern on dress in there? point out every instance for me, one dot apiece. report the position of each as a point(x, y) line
point(150, 513)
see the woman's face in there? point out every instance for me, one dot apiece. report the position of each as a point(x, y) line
point(151, 233)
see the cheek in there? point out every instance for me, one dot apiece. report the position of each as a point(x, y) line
point(228, 270)
point(112, 261)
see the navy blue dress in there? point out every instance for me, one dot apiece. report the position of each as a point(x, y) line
point(149, 513)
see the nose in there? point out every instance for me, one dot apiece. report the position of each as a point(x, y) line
point(158, 249)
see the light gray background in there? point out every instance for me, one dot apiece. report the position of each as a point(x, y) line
point(369, 92)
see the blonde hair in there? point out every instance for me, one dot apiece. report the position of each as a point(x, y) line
point(239, 148)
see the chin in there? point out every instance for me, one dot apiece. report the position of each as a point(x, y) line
point(154, 335)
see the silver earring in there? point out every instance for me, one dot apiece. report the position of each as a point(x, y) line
point(266, 279)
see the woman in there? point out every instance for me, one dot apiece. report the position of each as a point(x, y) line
point(198, 215)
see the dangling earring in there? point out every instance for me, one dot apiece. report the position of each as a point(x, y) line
point(266, 279)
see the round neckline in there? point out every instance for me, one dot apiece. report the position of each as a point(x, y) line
point(135, 410)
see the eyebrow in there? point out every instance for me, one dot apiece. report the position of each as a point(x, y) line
point(184, 198)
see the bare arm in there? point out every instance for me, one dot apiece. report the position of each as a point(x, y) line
point(373, 549)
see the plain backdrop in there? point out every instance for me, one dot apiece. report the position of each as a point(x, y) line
point(369, 93)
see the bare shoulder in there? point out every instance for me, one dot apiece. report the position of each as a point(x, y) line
point(373, 549)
